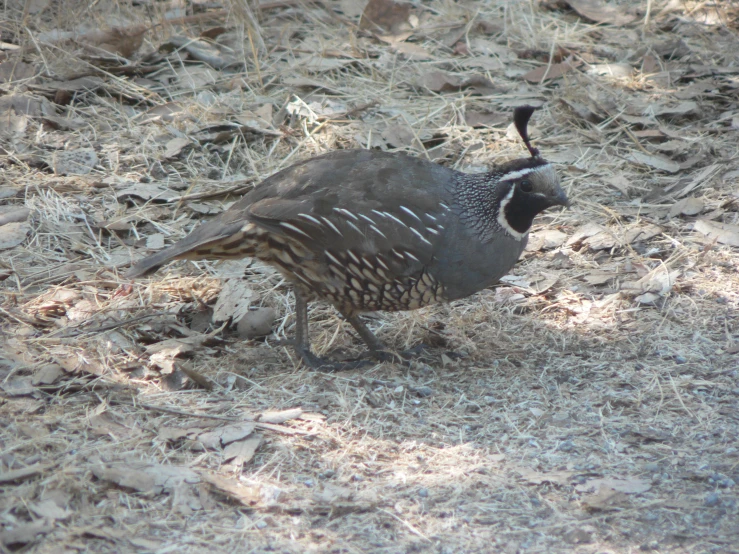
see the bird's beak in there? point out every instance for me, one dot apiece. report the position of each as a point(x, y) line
point(562, 199)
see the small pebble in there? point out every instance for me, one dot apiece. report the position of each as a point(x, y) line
point(566, 446)
point(256, 323)
point(423, 392)
point(680, 360)
point(261, 524)
point(423, 493)
point(712, 500)
point(308, 482)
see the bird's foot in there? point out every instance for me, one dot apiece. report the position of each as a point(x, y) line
point(316, 363)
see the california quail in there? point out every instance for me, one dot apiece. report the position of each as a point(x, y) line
point(367, 230)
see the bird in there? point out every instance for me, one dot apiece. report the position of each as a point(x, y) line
point(368, 230)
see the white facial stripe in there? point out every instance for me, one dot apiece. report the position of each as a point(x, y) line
point(521, 173)
point(503, 222)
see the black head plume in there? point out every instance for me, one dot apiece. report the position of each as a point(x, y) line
point(521, 116)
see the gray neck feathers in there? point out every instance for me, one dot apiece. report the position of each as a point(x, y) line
point(478, 197)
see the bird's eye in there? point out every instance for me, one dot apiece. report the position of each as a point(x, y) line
point(526, 185)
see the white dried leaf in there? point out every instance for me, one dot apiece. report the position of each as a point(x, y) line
point(74, 162)
point(233, 302)
point(656, 161)
point(724, 233)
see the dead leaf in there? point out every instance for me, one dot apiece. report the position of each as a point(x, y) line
point(175, 434)
point(13, 71)
point(18, 386)
point(74, 162)
point(155, 241)
point(248, 495)
point(683, 108)
point(25, 533)
point(23, 473)
point(620, 183)
point(545, 240)
point(233, 301)
point(656, 161)
point(724, 233)
point(687, 206)
point(13, 234)
point(412, 51)
point(615, 70)
point(122, 41)
point(478, 119)
point(702, 177)
point(317, 64)
point(142, 477)
point(222, 436)
point(537, 478)
point(550, 72)
point(164, 352)
point(148, 191)
point(386, 17)
point(241, 452)
point(439, 81)
point(587, 230)
point(47, 374)
point(279, 417)
point(610, 239)
point(600, 12)
point(49, 509)
point(174, 147)
point(200, 50)
point(165, 112)
point(630, 485)
point(332, 494)
point(605, 499)
point(600, 277)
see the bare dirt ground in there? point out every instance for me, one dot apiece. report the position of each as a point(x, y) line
point(594, 406)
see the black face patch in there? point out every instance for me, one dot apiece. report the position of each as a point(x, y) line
point(522, 208)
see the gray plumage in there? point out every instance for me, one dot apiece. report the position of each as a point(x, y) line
point(369, 230)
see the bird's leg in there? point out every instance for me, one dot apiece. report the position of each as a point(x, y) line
point(376, 348)
point(302, 341)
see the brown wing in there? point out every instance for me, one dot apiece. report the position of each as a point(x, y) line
point(351, 204)
point(386, 208)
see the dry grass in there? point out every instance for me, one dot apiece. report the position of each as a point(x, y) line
point(604, 356)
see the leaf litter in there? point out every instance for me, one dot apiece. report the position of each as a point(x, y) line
point(590, 399)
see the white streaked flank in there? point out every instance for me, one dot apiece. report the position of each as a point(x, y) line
point(353, 256)
point(410, 212)
point(367, 219)
point(391, 216)
point(376, 230)
point(331, 257)
point(334, 227)
point(292, 227)
point(357, 229)
point(310, 218)
point(347, 213)
point(419, 235)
